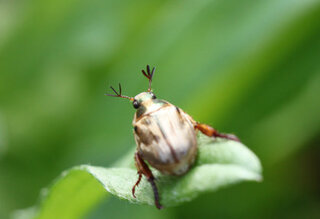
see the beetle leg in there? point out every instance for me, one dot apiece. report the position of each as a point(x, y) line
point(211, 132)
point(135, 185)
point(145, 170)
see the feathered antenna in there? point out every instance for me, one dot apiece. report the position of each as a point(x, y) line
point(118, 94)
point(149, 75)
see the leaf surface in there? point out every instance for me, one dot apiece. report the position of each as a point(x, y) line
point(219, 163)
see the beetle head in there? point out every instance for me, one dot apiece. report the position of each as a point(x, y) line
point(144, 99)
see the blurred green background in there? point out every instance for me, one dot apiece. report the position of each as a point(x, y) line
point(248, 67)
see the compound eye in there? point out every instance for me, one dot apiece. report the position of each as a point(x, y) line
point(153, 96)
point(135, 104)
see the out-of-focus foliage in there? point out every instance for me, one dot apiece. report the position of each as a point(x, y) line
point(248, 67)
point(220, 163)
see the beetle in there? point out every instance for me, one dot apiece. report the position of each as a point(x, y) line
point(166, 136)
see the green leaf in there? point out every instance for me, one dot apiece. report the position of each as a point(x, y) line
point(220, 163)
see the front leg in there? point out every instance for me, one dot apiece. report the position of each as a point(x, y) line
point(143, 169)
point(211, 132)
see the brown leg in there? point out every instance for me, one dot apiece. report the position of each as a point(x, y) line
point(135, 185)
point(144, 169)
point(211, 132)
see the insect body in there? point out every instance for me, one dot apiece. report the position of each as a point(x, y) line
point(165, 136)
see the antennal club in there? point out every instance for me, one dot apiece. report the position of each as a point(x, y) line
point(149, 75)
point(118, 94)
